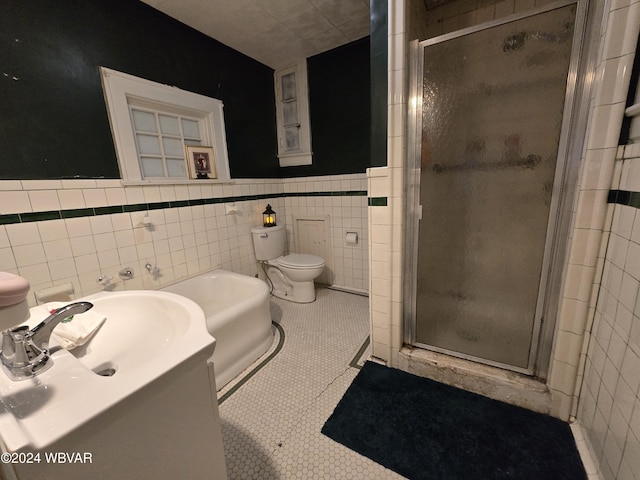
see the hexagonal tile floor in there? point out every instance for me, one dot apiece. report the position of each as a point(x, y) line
point(272, 414)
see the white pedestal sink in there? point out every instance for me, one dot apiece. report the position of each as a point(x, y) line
point(137, 401)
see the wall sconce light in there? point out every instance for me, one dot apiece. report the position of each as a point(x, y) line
point(269, 217)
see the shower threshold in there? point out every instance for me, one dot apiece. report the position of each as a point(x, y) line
point(499, 384)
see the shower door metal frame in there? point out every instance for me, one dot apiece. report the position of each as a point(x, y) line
point(570, 145)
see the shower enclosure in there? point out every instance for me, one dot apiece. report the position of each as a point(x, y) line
point(491, 120)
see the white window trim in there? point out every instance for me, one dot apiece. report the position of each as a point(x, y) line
point(120, 87)
point(304, 156)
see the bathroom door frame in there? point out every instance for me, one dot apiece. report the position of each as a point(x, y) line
point(572, 135)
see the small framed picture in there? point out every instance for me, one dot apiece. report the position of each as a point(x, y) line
point(202, 162)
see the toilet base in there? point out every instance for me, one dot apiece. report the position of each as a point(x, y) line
point(305, 294)
point(298, 292)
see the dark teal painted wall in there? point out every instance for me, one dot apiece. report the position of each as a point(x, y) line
point(53, 120)
point(379, 55)
point(340, 111)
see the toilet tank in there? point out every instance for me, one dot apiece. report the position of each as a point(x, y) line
point(268, 242)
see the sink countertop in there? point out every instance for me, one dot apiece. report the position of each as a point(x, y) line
point(38, 411)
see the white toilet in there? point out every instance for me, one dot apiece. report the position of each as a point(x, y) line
point(291, 275)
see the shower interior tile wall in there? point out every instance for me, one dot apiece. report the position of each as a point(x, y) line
point(180, 241)
point(459, 14)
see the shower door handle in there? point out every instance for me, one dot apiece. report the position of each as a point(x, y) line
point(419, 212)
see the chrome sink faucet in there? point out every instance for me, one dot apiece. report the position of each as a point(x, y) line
point(25, 352)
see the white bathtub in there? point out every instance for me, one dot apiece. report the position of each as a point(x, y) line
point(236, 308)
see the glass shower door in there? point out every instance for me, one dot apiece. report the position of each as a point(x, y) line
point(492, 112)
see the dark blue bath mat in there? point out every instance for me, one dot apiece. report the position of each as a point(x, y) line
point(423, 429)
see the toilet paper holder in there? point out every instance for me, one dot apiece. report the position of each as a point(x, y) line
point(351, 238)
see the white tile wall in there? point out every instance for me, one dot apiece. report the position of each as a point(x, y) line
point(607, 396)
point(386, 222)
point(380, 275)
point(180, 241)
point(460, 14)
point(349, 263)
point(609, 407)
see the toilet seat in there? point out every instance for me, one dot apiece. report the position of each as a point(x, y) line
point(301, 261)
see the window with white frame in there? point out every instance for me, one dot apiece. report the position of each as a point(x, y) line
point(292, 111)
point(152, 125)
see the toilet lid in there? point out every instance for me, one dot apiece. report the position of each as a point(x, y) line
point(301, 260)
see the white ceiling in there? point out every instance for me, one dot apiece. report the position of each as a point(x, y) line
point(274, 32)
